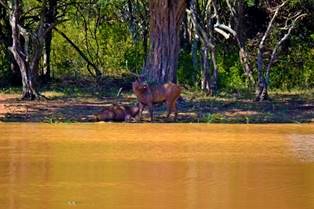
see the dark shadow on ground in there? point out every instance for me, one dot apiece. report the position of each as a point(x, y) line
point(206, 110)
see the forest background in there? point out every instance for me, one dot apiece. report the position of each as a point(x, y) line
point(222, 47)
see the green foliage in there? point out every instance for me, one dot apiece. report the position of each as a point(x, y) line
point(102, 31)
point(133, 58)
point(214, 118)
point(108, 44)
point(186, 74)
point(4, 67)
point(230, 70)
point(296, 70)
point(250, 3)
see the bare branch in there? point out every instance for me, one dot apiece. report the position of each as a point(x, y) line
point(261, 44)
point(226, 28)
point(222, 32)
point(79, 51)
point(4, 5)
point(270, 24)
point(199, 30)
point(279, 43)
point(231, 9)
point(286, 27)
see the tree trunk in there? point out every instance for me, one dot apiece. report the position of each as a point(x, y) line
point(145, 33)
point(165, 20)
point(205, 85)
point(46, 57)
point(214, 83)
point(145, 42)
point(244, 60)
point(241, 39)
point(27, 74)
point(262, 86)
point(262, 91)
point(50, 15)
point(6, 40)
point(194, 48)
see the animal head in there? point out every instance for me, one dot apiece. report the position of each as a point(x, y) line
point(139, 85)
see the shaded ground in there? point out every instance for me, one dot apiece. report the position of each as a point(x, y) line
point(195, 107)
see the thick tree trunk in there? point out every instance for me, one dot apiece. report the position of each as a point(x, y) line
point(145, 33)
point(145, 43)
point(165, 20)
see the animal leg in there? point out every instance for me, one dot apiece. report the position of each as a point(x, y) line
point(141, 108)
point(127, 118)
point(168, 109)
point(174, 109)
point(150, 108)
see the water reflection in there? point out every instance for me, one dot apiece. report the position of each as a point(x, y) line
point(303, 146)
point(156, 166)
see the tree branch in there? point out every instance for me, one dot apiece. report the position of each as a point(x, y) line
point(261, 44)
point(270, 24)
point(79, 51)
point(279, 43)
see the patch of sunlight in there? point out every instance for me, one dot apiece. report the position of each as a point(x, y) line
point(50, 94)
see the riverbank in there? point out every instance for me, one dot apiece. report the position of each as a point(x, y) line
point(285, 107)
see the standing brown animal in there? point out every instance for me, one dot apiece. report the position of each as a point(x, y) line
point(118, 113)
point(149, 95)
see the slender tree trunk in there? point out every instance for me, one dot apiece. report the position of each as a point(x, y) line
point(194, 49)
point(27, 74)
point(205, 85)
point(46, 57)
point(244, 60)
point(214, 83)
point(240, 37)
point(262, 85)
point(6, 40)
point(165, 20)
point(50, 15)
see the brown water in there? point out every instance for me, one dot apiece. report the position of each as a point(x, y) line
point(148, 166)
